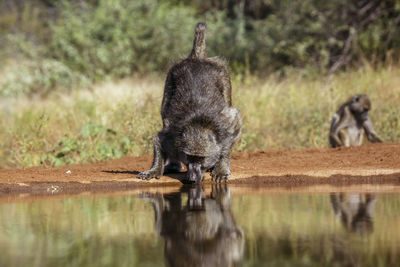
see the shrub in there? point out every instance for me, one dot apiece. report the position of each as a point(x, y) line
point(116, 38)
point(40, 76)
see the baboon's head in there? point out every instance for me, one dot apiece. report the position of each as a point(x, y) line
point(360, 105)
point(201, 149)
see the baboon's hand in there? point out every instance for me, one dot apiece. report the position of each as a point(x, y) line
point(147, 175)
point(220, 175)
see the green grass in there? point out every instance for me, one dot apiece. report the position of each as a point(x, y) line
point(120, 118)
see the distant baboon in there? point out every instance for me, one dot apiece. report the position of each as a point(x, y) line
point(200, 125)
point(350, 122)
point(200, 232)
point(355, 211)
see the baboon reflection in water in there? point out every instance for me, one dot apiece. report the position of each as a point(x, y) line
point(355, 211)
point(201, 232)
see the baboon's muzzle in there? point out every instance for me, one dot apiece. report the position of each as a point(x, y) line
point(364, 115)
point(194, 173)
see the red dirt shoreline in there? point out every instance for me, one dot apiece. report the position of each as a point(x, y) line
point(369, 164)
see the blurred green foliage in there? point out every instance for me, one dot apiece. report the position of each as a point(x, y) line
point(118, 37)
point(70, 44)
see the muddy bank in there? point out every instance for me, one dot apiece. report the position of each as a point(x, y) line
point(289, 182)
point(370, 164)
point(254, 186)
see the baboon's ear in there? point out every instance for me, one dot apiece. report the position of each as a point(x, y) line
point(356, 98)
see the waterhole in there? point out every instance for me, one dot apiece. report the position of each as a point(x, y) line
point(210, 225)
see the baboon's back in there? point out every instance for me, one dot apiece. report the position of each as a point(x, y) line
point(196, 89)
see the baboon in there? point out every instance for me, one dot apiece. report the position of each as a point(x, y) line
point(200, 232)
point(350, 122)
point(355, 211)
point(200, 125)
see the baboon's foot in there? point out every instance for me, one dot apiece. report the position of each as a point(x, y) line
point(220, 175)
point(147, 175)
point(173, 167)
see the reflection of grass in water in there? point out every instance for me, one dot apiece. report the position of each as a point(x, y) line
point(79, 232)
point(121, 118)
point(302, 231)
point(281, 230)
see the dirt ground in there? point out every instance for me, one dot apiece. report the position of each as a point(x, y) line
point(369, 164)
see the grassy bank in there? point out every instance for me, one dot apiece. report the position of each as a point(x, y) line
point(114, 119)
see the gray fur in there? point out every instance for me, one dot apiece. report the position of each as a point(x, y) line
point(351, 121)
point(200, 125)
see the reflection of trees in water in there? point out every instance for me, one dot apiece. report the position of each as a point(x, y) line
point(355, 211)
point(200, 232)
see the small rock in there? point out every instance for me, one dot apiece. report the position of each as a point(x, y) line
point(53, 189)
point(68, 172)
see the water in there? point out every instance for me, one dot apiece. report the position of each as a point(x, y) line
point(209, 226)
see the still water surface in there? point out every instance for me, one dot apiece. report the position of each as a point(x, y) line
point(203, 226)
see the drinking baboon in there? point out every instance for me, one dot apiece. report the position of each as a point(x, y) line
point(200, 125)
point(355, 211)
point(200, 232)
point(350, 122)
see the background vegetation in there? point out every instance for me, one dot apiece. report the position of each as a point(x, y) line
point(81, 81)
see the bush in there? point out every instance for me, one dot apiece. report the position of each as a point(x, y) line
point(116, 38)
point(43, 76)
point(88, 41)
point(91, 42)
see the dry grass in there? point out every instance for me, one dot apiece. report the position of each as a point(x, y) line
point(296, 111)
point(120, 118)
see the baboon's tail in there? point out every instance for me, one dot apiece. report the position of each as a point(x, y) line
point(199, 43)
